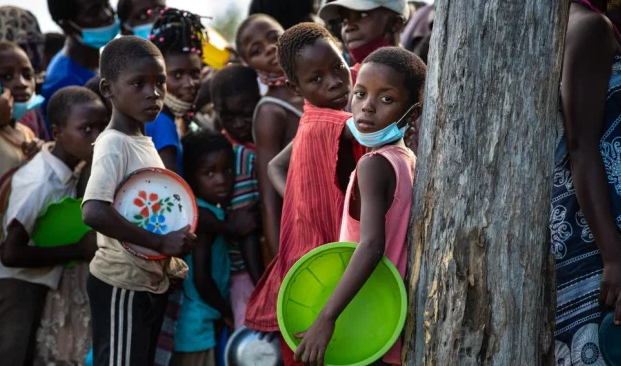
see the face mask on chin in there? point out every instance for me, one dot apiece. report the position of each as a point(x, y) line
point(385, 136)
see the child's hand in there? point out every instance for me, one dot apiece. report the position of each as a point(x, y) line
point(177, 243)
point(315, 341)
point(245, 220)
point(174, 284)
point(6, 107)
point(31, 148)
point(88, 245)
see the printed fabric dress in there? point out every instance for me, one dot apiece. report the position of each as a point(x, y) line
point(578, 262)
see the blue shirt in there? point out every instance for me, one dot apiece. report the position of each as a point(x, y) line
point(61, 72)
point(195, 329)
point(163, 132)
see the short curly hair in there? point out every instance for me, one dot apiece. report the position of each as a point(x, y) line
point(233, 80)
point(291, 43)
point(123, 52)
point(404, 62)
point(61, 103)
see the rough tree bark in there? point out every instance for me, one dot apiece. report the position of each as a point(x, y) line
point(485, 295)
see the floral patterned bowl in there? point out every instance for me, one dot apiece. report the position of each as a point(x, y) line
point(157, 200)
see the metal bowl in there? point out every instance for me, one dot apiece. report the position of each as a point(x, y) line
point(244, 348)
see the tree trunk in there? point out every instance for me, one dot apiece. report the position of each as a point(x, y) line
point(481, 281)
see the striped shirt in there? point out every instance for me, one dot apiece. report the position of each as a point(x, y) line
point(312, 206)
point(245, 192)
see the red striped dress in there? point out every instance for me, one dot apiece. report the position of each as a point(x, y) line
point(312, 206)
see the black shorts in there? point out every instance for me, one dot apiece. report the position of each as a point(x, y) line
point(126, 324)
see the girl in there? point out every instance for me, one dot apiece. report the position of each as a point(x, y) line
point(137, 16)
point(179, 35)
point(17, 143)
point(276, 116)
point(208, 164)
point(368, 26)
point(387, 97)
point(586, 199)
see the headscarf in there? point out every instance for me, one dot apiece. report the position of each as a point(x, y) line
point(20, 26)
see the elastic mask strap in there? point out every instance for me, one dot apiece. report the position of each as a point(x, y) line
point(405, 114)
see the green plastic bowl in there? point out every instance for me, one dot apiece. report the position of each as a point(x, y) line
point(368, 327)
point(60, 224)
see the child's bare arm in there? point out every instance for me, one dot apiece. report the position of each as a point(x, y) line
point(278, 168)
point(15, 251)
point(269, 131)
point(203, 280)
point(250, 246)
point(103, 218)
point(374, 176)
point(169, 158)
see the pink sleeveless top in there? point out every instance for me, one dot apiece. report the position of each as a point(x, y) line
point(403, 162)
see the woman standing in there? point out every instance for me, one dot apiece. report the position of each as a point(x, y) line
point(586, 198)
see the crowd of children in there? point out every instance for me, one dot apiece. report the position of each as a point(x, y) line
point(301, 150)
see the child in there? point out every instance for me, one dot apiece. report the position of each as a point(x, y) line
point(128, 294)
point(235, 93)
point(27, 271)
point(208, 164)
point(179, 35)
point(16, 140)
point(137, 17)
point(88, 26)
point(321, 162)
point(276, 116)
point(367, 25)
point(77, 115)
point(387, 97)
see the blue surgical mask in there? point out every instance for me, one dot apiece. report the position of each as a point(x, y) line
point(98, 37)
point(385, 136)
point(143, 31)
point(20, 108)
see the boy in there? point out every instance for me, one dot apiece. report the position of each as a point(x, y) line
point(128, 294)
point(88, 25)
point(27, 271)
point(321, 162)
point(367, 25)
point(235, 93)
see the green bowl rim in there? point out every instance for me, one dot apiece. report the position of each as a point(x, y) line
point(58, 203)
point(323, 248)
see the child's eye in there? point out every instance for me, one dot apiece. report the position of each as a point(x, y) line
point(28, 74)
point(359, 94)
point(178, 75)
point(386, 99)
point(210, 174)
point(316, 79)
point(161, 83)
point(137, 84)
point(363, 14)
point(6, 77)
point(87, 129)
point(256, 51)
point(196, 74)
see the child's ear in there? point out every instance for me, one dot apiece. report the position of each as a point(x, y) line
point(55, 132)
point(293, 87)
point(398, 23)
point(415, 114)
point(105, 88)
point(68, 28)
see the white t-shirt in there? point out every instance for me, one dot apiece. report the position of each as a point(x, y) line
point(116, 156)
point(44, 180)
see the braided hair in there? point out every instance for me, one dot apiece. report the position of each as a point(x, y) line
point(291, 43)
point(178, 31)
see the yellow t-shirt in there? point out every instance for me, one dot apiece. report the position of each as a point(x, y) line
point(13, 157)
point(116, 156)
